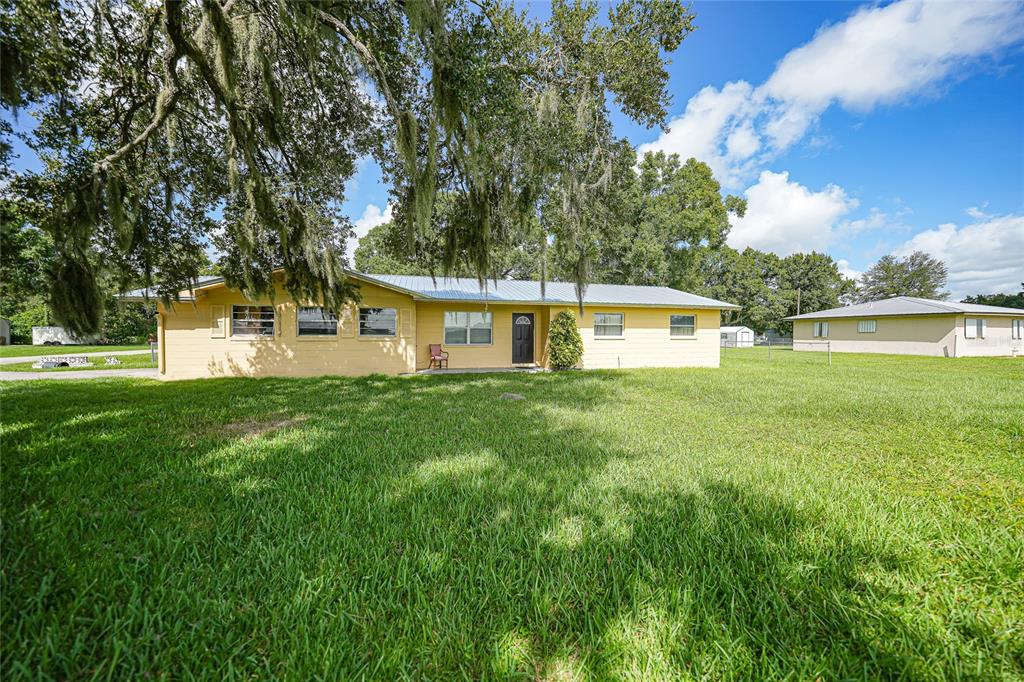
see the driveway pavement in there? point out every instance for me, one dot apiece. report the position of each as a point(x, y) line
point(146, 373)
point(36, 358)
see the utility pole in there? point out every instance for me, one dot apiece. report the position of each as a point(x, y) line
point(797, 301)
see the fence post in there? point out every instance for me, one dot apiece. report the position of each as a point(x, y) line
point(152, 352)
point(769, 348)
point(829, 353)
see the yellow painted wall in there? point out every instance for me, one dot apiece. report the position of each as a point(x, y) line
point(192, 349)
point(646, 341)
point(430, 329)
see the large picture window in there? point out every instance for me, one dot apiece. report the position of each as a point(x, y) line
point(681, 326)
point(467, 329)
point(252, 320)
point(974, 327)
point(378, 322)
point(608, 324)
point(315, 321)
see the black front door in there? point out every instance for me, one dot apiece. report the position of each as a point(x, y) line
point(522, 338)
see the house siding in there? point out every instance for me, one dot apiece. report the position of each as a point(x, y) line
point(646, 341)
point(430, 329)
point(934, 335)
point(190, 349)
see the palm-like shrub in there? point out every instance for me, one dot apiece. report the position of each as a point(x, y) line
point(565, 347)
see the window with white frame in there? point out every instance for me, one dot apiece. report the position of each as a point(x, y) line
point(974, 327)
point(866, 326)
point(1018, 329)
point(821, 329)
point(609, 324)
point(252, 320)
point(316, 321)
point(682, 326)
point(467, 329)
point(378, 322)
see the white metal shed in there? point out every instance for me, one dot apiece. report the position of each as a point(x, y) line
point(737, 337)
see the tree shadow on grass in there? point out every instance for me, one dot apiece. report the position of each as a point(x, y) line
point(414, 527)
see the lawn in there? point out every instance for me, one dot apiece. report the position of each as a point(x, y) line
point(764, 520)
point(32, 351)
point(127, 362)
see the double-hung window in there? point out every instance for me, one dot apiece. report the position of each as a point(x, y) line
point(821, 330)
point(682, 326)
point(252, 320)
point(378, 322)
point(1018, 329)
point(866, 326)
point(467, 329)
point(608, 324)
point(974, 328)
point(316, 321)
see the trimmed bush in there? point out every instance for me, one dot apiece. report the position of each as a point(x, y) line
point(565, 347)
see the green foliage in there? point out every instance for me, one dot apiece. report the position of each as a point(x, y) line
point(768, 287)
point(779, 520)
point(26, 258)
point(128, 323)
point(565, 347)
point(23, 321)
point(917, 275)
point(259, 110)
point(386, 249)
point(1004, 300)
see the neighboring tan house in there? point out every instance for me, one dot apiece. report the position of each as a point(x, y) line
point(737, 337)
point(215, 331)
point(912, 326)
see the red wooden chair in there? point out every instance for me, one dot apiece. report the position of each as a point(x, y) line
point(439, 356)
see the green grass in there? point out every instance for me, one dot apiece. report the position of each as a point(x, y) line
point(32, 351)
point(765, 520)
point(127, 362)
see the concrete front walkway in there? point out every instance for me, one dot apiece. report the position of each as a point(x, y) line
point(38, 358)
point(480, 370)
point(144, 373)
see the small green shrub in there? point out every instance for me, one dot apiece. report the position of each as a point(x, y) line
point(565, 347)
point(22, 323)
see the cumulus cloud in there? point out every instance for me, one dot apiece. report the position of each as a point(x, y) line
point(846, 270)
point(786, 217)
point(879, 55)
point(983, 257)
point(371, 218)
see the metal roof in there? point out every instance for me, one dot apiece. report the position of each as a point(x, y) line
point(202, 281)
point(907, 305)
point(513, 291)
point(528, 291)
point(730, 330)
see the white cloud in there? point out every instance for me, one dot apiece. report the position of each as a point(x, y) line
point(371, 218)
point(846, 271)
point(786, 217)
point(879, 55)
point(984, 257)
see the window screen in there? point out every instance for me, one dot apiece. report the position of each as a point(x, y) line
point(315, 321)
point(252, 320)
point(682, 325)
point(378, 322)
point(608, 324)
point(866, 326)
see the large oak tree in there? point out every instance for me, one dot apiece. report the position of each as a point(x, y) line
point(167, 128)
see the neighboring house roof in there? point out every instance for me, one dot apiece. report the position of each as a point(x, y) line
point(907, 305)
point(512, 291)
point(733, 330)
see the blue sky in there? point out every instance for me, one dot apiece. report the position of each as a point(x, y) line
point(854, 129)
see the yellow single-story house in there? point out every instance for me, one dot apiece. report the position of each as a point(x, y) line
point(215, 331)
point(912, 326)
